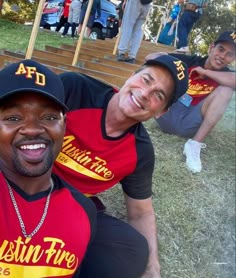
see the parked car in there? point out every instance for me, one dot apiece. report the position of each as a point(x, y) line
point(51, 13)
point(106, 26)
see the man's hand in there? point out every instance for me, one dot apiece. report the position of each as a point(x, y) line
point(152, 272)
point(199, 73)
point(142, 217)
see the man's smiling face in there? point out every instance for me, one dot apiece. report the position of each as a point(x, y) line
point(146, 93)
point(220, 55)
point(32, 127)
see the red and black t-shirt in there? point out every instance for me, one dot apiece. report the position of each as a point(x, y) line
point(59, 246)
point(92, 161)
point(198, 89)
point(66, 8)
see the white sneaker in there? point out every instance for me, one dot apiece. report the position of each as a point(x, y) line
point(192, 151)
point(183, 49)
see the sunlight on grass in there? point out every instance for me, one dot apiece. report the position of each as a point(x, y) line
point(195, 212)
point(15, 37)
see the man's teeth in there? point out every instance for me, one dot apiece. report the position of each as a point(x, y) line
point(33, 147)
point(135, 101)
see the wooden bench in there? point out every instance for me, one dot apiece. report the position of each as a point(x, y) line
point(85, 55)
point(113, 80)
point(104, 65)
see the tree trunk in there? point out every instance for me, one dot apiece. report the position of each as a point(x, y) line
point(1, 6)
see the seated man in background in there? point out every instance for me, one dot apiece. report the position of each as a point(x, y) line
point(210, 90)
point(46, 225)
point(106, 143)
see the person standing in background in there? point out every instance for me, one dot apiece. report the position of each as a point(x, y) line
point(64, 16)
point(95, 11)
point(169, 31)
point(73, 19)
point(134, 17)
point(191, 14)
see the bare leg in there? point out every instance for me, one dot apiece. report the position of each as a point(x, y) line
point(88, 32)
point(213, 109)
point(79, 29)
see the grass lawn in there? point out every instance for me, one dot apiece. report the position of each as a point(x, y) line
point(195, 212)
point(16, 37)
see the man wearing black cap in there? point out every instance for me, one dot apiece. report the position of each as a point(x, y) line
point(45, 224)
point(210, 90)
point(105, 143)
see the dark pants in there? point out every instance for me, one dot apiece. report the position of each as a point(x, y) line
point(118, 251)
point(62, 22)
point(185, 25)
point(73, 28)
point(90, 20)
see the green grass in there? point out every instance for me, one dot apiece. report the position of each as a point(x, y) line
point(15, 37)
point(195, 212)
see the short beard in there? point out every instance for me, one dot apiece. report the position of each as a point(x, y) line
point(31, 173)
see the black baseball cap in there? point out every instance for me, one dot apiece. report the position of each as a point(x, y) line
point(178, 70)
point(227, 36)
point(31, 76)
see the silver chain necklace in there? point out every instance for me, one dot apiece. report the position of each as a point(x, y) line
point(22, 225)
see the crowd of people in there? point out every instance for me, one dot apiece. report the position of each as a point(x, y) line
point(73, 14)
point(179, 23)
point(132, 15)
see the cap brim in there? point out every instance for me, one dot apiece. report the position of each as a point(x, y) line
point(8, 94)
point(173, 74)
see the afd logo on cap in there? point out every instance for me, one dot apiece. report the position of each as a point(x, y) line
point(180, 69)
point(233, 35)
point(30, 73)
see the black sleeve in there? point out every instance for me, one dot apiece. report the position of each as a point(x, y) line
point(82, 90)
point(138, 185)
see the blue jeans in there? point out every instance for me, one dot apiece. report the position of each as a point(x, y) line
point(185, 25)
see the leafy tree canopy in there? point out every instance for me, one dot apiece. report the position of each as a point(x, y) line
point(218, 16)
point(19, 10)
